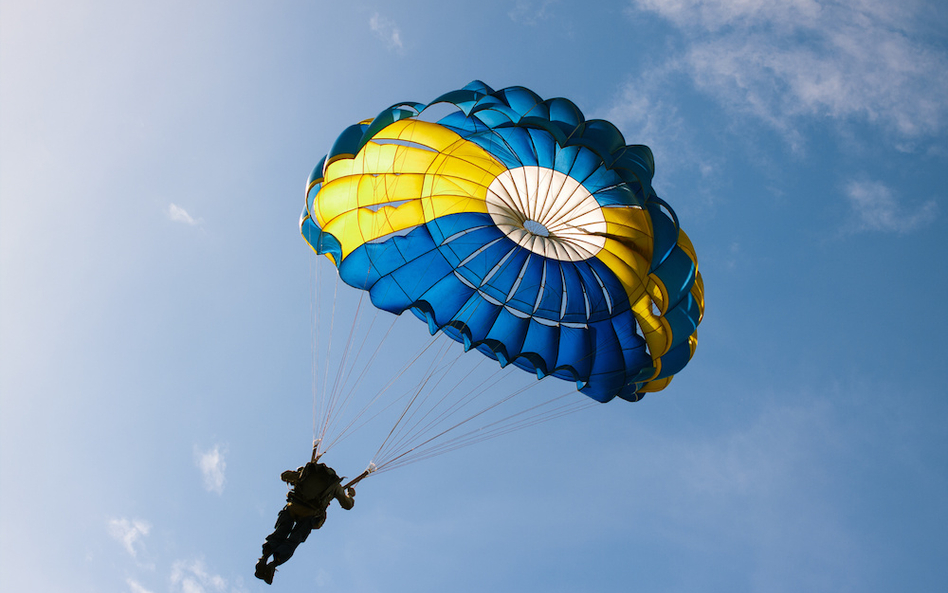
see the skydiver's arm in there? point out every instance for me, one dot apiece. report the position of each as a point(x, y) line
point(292, 476)
point(345, 497)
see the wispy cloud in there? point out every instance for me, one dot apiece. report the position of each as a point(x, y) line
point(387, 31)
point(136, 587)
point(212, 466)
point(647, 113)
point(758, 487)
point(179, 214)
point(782, 60)
point(531, 13)
point(875, 208)
point(192, 576)
point(642, 112)
point(129, 532)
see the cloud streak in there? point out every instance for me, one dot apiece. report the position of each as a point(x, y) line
point(212, 466)
point(136, 587)
point(193, 577)
point(780, 61)
point(529, 13)
point(760, 488)
point(129, 532)
point(875, 208)
point(178, 214)
point(387, 31)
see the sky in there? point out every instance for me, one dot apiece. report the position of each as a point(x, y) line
point(163, 326)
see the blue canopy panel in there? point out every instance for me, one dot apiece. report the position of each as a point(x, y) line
point(572, 338)
point(347, 144)
point(519, 147)
point(665, 234)
point(677, 274)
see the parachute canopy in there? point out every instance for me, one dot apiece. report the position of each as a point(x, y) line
point(518, 228)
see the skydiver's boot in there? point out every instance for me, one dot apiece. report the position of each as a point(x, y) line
point(265, 571)
point(262, 571)
point(270, 569)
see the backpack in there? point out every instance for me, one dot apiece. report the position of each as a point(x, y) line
point(316, 481)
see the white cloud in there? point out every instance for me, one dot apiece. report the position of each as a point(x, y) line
point(760, 487)
point(715, 14)
point(875, 208)
point(782, 60)
point(179, 214)
point(193, 577)
point(129, 533)
point(212, 466)
point(650, 117)
point(759, 459)
point(387, 31)
point(645, 118)
point(646, 113)
point(734, 252)
point(136, 587)
point(530, 13)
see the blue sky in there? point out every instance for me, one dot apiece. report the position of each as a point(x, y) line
point(158, 306)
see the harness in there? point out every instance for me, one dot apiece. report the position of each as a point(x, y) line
point(311, 506)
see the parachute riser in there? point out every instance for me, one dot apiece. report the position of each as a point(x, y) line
point(361, 476)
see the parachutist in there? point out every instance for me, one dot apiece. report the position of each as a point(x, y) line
point(314, 485)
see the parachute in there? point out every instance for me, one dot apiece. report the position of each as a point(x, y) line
point(519, 228)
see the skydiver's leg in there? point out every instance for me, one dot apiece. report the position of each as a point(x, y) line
point(298, 535)
point(282, 529)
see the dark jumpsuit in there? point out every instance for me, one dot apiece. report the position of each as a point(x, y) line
point(314, 487)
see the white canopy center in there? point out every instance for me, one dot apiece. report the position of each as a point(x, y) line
point(547, 212)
